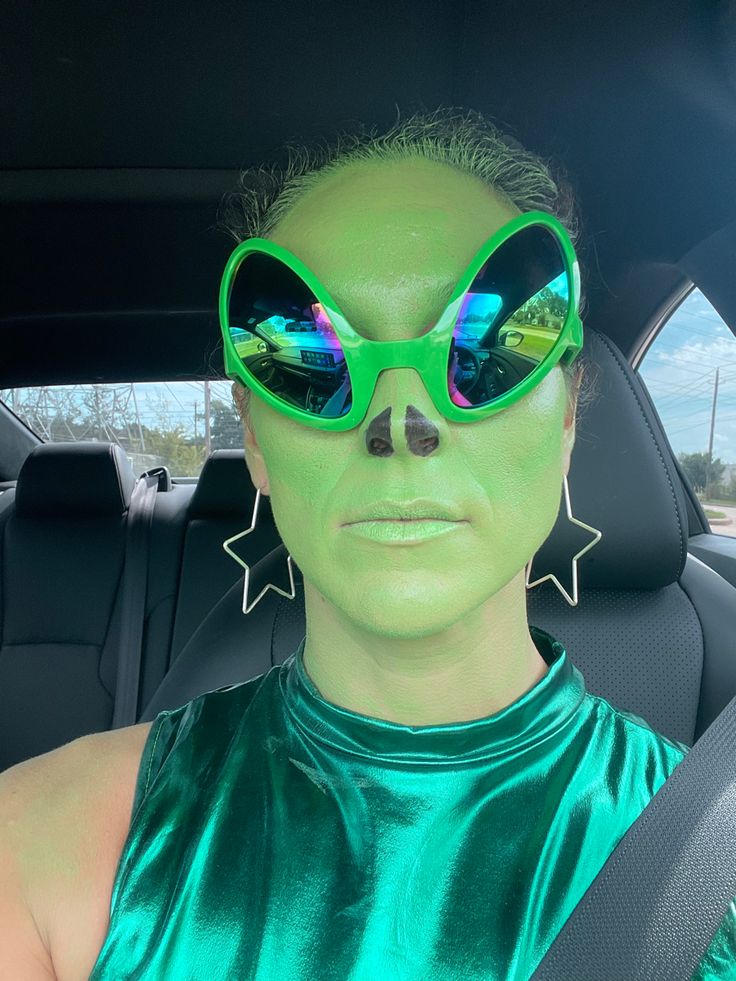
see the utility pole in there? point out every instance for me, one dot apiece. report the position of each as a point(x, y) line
point(98, 413)
point(710, 441)
point(207, 436)
point(46, 421)
point(196, 433)
point(138, 419)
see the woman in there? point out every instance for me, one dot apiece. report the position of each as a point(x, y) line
point(424, 789)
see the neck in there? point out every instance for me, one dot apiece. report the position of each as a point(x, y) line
point(474, 668)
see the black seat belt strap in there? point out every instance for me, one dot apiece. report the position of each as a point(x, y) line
point(133, 599)
point(653, 909)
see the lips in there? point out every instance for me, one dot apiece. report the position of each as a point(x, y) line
point(415, 510)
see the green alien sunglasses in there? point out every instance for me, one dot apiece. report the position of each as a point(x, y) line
point(511, 318)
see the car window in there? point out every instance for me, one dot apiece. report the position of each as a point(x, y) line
point(690, 373)
point(170, 423)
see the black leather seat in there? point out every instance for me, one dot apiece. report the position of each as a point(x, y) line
point(188, 570)
point(221, 506)
point(654, 631)
point(62, 543)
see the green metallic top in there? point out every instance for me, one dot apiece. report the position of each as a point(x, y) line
point(276, 835)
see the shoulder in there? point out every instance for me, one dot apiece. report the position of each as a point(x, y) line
point(60, 783)
point(66, 816)
point(630, 738)
point(206, 724)
point(44, 796)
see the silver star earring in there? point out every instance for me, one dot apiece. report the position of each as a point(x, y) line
point(226, 545)
point(576, 521)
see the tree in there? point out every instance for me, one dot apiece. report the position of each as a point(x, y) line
point(98, 407)
point(546, 308)
point(173, 450)
point(226, 429)
point(695, 466)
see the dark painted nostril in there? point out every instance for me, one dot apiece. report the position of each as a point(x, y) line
point(422, 436)
point(378, 435)
point(379, 447)
point(424, 447)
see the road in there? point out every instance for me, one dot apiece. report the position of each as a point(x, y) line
point(728, 529)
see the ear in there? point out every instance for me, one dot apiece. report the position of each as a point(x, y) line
point(568, 442)
point(253, 454)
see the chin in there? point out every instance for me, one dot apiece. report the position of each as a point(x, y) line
point(408, 604)
point(400, 630)
point(407, 619)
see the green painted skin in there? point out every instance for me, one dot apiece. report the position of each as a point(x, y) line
point(393, 632)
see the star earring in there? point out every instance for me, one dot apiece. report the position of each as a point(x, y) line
point(226, 545)
point(576, 521)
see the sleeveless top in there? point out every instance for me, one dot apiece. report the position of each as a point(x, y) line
point(275, 835)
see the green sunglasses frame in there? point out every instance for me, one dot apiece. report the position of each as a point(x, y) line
point(427, 354)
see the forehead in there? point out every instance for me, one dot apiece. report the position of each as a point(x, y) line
point(391, 240)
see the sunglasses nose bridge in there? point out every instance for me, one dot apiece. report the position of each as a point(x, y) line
point(397, 388)
point(403, 374)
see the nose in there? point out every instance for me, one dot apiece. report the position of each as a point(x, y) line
point(421, 435)
point(393, 426)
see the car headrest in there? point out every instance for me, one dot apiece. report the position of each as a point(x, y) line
point(225, 490)
point(85, 480)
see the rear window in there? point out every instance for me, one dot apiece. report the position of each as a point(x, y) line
point(175, 424)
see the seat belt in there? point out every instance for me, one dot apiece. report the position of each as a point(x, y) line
point(133, 598)
point(653, 909)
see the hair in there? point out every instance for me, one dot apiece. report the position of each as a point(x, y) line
point(464, 139)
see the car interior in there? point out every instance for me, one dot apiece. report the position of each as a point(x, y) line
point(124, 128)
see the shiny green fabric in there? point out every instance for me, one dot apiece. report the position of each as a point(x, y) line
point(275, 835)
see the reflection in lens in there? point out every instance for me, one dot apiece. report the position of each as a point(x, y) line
point(285, 339)
point(510, 319)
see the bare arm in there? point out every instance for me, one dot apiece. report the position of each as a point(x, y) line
point(64, 817)
point(23, 953)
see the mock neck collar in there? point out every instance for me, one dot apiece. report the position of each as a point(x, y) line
point(539, 712)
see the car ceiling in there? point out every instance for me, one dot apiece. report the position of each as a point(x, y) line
point(124, 123)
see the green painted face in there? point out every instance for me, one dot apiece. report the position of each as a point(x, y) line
point(390, 242)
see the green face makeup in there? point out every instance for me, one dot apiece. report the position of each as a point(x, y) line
point(391, 243)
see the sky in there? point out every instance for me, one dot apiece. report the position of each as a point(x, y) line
point(679, 371)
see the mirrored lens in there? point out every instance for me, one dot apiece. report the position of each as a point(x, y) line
point(510, 319)
point(285, 339)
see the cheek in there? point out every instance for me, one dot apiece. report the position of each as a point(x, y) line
point(303, 467)
point(525, 439)
point(516, 456)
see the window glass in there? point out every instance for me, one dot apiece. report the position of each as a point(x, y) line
point(690, 373)
point(171, 423)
